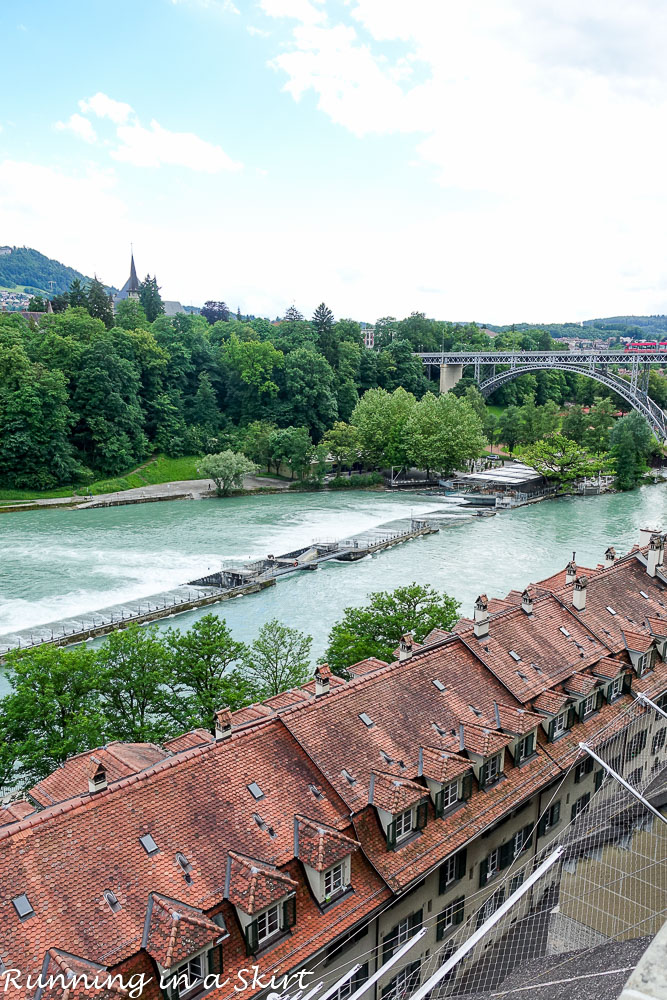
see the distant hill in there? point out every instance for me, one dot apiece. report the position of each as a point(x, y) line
point(34, 271)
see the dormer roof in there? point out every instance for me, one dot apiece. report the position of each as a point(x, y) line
point(658, 627)
point(320, 846)
point(393, 794)
point(59, 963)
point(551, 702)
point(253, 885)
point(118, 759)
point(609, 668)
point(174, 930)
point(517, 720)
point(636, 642)
point(482, 740)
point(441, 765)
point(580, 684)
point(11, 811)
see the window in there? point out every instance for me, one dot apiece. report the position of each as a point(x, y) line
point(23, 906)
point(550, 818)
point(403, 824)
point(403, 984)
point(589, 705)
point(515, 656)
point(583, 768)
point(449, 917)
point(515, 882)
point(366, 719)
point(521, 840)
point(452, 870)
point(491, 905)
point(401, 933)
point(148, 844)
point(636, 745)
point(659, 740)
point(255, 790)
point(525, 747)
point(490, 771)
point(615, 689)
point(268, 923)
point(440, 686)
point(564, 630)
point(559, 725)
point(352, 985)
point(334, 880)
point(493, 863)
point(191, 974)
point(636, 776)
point(580, 805)
point(446, 797)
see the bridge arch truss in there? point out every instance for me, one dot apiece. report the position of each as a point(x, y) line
point(594, 365)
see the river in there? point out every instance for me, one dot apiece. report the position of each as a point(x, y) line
point(59, 563)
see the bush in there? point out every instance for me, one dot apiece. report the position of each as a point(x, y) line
point(355, 482)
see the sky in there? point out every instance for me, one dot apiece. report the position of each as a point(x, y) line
point(491, 160)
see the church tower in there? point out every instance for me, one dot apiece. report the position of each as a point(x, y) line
point(133, 282)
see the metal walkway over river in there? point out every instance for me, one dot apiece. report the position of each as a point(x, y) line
point(494, 368)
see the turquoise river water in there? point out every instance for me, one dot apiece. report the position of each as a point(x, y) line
point(59, 563)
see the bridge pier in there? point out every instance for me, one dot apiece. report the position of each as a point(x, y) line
point(449, 376)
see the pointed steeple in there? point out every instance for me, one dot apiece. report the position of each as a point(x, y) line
point(133, 282)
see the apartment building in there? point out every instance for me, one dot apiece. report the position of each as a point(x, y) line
point(320, 828)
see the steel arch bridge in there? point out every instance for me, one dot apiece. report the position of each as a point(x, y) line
point(494, 368)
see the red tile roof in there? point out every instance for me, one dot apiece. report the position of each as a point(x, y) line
point(658, 626)
point(195, 738)
point(443, 766)
point(174, 930)
point(11, 811)
point(252, 886)
point(517, 720)
point(609, 668)
point(580, 684)
point(484, 741)
point(118, 760)
point(320, 846)
point(638, 642)
point(367, 666)
point(393, 794)
point(551, 702)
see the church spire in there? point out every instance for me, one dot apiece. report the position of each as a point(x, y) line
point(133, 283)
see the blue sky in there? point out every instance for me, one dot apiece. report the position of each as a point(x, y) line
point(499, 160)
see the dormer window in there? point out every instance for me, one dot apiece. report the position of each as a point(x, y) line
point(270, 923)
point(615, 689)
point(559, 725)
point(189, 977)
point(525, 748)
point(588, 705)
point(403, 824)
point(334, 880)
point(490, 771)
point(446, 797)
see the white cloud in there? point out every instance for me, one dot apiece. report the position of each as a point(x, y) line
point(105, 107)
point(258, 32)
point(154, 146)
point(299, 10)
point(223, 5)
point(79, 126)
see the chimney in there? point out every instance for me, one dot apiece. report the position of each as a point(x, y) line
point(223, 724)
point(97, 777)
point(610, 556)
point(571, 570)
point(322, 679)
point(656, 551)
point(527, 602)
point(645, 535)
point(405, 647)
point(579, 593)
point(481, 617)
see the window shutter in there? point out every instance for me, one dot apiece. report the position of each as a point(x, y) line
point(391, 835)
point(505, 854)
point(542, 825)
point(589, 765)
point(482, 775)
point(461, 861)
point(440, 927)
point(550, 730)
point(571, 716)
point(459, 905)
point(466, 786)
point(389, 945)
point(598, 779)
point(251, 938)
point(442, 880)
point(531, 745)
point(289, 912)
point(527, 836)
point(215, 960)
point(627, 683)
point(422, 814)
point(581, 709)
point(439, 801)
point(360, 977)
point(555, 813)
point(483, 872)
point(599, 699)
point(170, 992)
point(415, 920)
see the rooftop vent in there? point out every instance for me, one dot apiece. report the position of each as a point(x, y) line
point(317, 792)
point(439, 730)
point(348, 777)
point(223, 723)
point(522, 676)
point(23, 906)
point(405, 647)
point(515, 656)
point(185, 866)
point(366, 719)
point(255, 790)
point(97, 780)
point(148, 844)
point(322, 679)
point(112, 900)
point(474, 710)
point(440, 686)
point(263, 826)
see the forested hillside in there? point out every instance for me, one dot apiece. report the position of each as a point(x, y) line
point(24, 266)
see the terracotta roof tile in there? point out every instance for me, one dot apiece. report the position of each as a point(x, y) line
point(118, 760)
point(551, 702)
point(580, 684)
point(638, 642)
point(252, 886)
point(443, 766)
point(517, 720)
point(367, 666)
point(393, 794)
point(483, 740)
point(175, 930)
point(195, 738)
point(320, 846)
point(658, 626)
point(609, 668)
point(12, 811)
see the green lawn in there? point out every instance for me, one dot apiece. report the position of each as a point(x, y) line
point(155, 471)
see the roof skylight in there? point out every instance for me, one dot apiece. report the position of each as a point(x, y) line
point(23, 906)
point(148, 844)
point(643, 594)
point(515, 655)
point(366, 719)
point(440, 686)
point(563, 630)
point(610, 610)
point(255, 790)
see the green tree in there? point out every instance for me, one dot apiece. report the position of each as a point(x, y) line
point(78, 296)
point(227, 469)
point(37, 304)
point(380, 418)
point(53, 710)
point(342, 442)
point(549, 418)
point(509, 427)
point(443, 432)
point(327, 340)
point(257, 442)
point(204, 407)
point(133, 668)
point(202, 677)
point(600, 423)
point(630, 444)
point(278, 659)
point(376, 629)
point(309, 397)
point(98, 303)
point(475, 399)
point(561, 459)
point(150, 298)
point(490, 427)
point(575, 424)
point(292, 446)
point(130, 315)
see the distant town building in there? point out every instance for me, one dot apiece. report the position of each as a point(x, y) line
point(130, 289)
point(172, 308)
point(369, 336)
point(4, 251)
